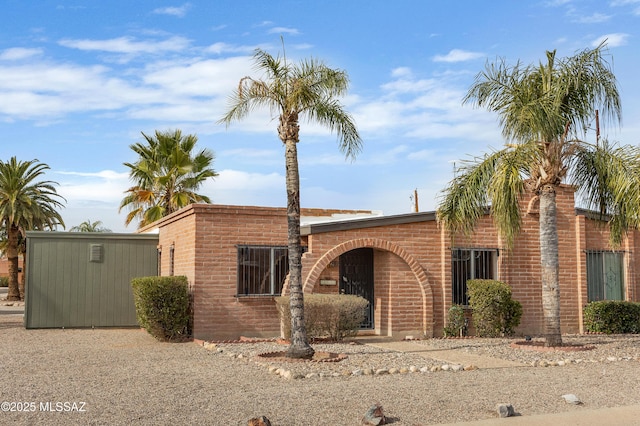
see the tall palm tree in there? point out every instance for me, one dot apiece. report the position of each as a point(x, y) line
point(166, 176)
point(25, 204)
point(88, 226)
point(306, 89)
point(543, 110)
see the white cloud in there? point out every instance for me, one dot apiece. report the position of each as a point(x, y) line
point(18, 53)
point(283, 30)
point(595, 18)
point(220, 48)
point(128, 45)
point(458, 55)
point(613, 40)
point(106, 186)
point(179, 11)
point(244, 188)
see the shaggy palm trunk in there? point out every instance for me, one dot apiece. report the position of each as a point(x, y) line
point(21, 283)
point(299, 347)
point(550, 266)
point(13, 292)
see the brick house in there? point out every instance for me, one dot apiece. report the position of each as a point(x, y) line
point(405, 265)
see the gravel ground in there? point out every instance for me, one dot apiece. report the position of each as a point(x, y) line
point(124, 376)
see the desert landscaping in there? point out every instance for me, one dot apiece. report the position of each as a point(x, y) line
point(125, 376)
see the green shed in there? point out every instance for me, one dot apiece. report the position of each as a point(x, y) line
point(78, 279)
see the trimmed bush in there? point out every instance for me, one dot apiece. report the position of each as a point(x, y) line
point(494, 312)
point(162, 306)
point(4, 281)
point(455, 322)
point(612, 317)
point(332, 316)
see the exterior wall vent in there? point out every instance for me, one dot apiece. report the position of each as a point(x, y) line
point(95, 253)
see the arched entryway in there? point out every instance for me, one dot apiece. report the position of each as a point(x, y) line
point(403, 298)
point(357, 277)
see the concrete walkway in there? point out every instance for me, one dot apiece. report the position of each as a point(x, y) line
point(451, 356)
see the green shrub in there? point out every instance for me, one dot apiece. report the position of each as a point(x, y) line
point(612, 317)
point(162, 306)
point(455, 322)
point(494, 312)
point(333, 316)
point(4, 281)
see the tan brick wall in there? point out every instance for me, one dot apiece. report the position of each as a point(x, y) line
point(412, 266)
point(205, 240)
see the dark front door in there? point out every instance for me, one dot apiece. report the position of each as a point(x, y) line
point(356, 277)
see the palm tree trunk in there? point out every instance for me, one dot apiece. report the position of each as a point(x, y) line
point(21, 283)
point(299, 347)
point(13, 292)
point(550, 266)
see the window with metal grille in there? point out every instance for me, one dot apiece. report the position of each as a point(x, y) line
point(605, 275)
point(262, 270)
point(468, 264)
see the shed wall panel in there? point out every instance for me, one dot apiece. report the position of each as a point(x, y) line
point(65, 288)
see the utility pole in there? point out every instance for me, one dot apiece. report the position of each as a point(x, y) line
point(415, 200)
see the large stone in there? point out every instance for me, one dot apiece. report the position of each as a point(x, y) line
point(259, 421)
point(505, 410)
point(374, 416)
point(572, 399)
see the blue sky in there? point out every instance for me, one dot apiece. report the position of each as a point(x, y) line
point(79, 81)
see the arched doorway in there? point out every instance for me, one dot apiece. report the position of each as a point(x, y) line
point(356, 277)
point(405, 278)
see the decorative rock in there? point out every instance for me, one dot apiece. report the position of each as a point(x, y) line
point(505, 410)
point(259, 421)
point(374, 416)
point(435, 368)
point(470, 367)
point(393, 371)
point(456, 368)
point(381, 371)
point(445, 367)
point(357, 372)
point(424, 370)
point(561, 363)
point(404, 370)
point(543, 363)
point(368, 371)
point(311, 375)
point(273, 369)
point(611, 358)
point(413, 368)
point(572, 399)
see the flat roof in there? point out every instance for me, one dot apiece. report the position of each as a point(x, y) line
point(369, 222)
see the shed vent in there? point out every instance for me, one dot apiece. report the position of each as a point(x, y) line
point(95, 253)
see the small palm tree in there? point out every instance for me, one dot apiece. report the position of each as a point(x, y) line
point(308, 89)
point(542, 111)
point(25, 204)
point(167, 175)
point(88, 226)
